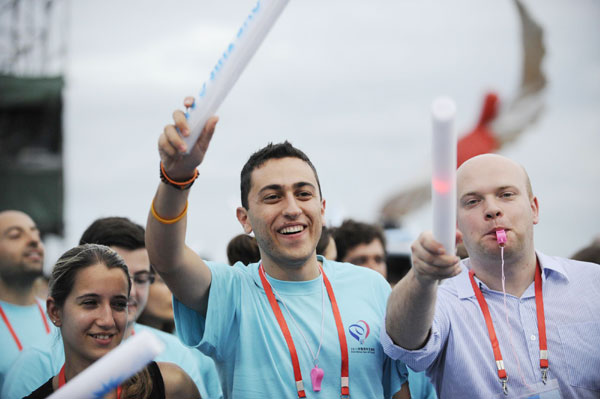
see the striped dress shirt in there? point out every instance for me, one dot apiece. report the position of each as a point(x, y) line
point(458, 356)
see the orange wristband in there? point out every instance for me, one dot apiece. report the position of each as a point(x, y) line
point(181, 185)
point(168, 221)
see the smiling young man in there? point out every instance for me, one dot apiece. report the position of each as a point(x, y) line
point(458, 331)
point(23, 320)
point(291, 325)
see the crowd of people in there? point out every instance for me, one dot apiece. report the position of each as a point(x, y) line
point(300, 309)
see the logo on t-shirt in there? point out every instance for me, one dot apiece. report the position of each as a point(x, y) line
point(360, 331)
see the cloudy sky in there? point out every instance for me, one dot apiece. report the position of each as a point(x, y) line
point(350, 82)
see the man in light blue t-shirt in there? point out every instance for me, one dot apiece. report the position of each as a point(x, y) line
point(292, 325)
point(23, 321)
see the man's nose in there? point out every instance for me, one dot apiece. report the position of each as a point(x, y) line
point(493, 211)
point(34, 239)
point(291, 207)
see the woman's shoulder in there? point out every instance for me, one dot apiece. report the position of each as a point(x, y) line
point(43, 391)
point(177, 383)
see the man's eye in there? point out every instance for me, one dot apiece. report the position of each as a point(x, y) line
point(120, 305)
point(89, 303)
point(471, 202)
point(271, 197)
point(305, 194)
point(507, 194)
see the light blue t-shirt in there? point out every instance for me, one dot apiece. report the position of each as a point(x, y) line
point(28, 324)
point(242, 335)
point(35, 366)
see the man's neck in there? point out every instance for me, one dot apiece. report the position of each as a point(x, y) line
point(307, 271)
point(18, 294)
point(519, 273)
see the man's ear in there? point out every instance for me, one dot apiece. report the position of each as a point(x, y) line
point(54, 312)
point(535, 209)
point(323, 212)
point(242, 216)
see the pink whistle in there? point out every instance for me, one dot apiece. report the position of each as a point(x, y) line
point(501, 237)
point(316, 376)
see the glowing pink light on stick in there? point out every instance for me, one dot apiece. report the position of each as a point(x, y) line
point(443, 180)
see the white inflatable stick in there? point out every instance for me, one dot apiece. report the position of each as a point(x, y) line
point(112, 369)
point(231, 64)
point(443, 179)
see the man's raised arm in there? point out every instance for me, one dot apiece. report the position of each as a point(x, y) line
point(181, 268)
point(411, 305)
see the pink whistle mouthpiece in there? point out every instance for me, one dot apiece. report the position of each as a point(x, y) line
point(501, 236)
point(316, 376)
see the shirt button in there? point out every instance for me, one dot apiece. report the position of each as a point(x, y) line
point(533, 337)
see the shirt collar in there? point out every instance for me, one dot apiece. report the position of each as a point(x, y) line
point(552, 268)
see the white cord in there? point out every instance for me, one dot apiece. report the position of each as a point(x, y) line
point(509, 327)
point(315, 358)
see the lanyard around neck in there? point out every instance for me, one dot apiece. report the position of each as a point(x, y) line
point(62, 381)
point(539, 304)
point(345, 382)
point(12, 331)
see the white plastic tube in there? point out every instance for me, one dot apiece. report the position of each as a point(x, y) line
point(232, 63)
point(115, 367)
point(443, 179)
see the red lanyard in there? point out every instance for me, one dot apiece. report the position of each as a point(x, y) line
point(62, 381)
point(12, 331)
point(345, 380)
point(539, 304)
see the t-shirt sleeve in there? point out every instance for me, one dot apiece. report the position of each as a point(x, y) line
point(395, 373)
point(214, 334)
point(31, 369)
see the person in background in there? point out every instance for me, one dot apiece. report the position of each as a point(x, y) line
point(158, 312)
point(361, 244)
point(326, 245)
point(590, 253)
point(88, 295)
point(23, 320)
point(509, 321)
point(243, 248)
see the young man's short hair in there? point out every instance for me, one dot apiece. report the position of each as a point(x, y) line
point(115, 231)
point(352, 233)
point(271, 151)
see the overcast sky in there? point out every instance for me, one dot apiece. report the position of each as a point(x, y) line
point(350, 82)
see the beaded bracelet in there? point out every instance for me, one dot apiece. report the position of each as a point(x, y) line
point(180, 185)
point(168, 221)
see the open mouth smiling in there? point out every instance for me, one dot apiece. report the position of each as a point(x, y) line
point(288, 230)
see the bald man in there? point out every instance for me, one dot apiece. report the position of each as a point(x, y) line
point(509, 321)
point(23, 320)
